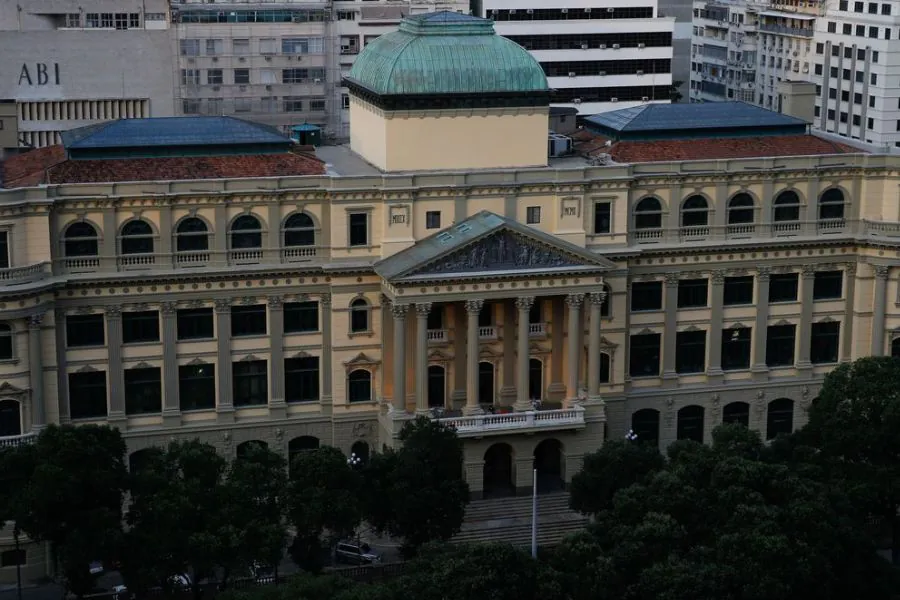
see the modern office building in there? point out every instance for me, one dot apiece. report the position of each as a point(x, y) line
point(68, 64)
point(598, 56)
point(202, 278)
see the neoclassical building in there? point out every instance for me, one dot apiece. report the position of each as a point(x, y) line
point(203, 278)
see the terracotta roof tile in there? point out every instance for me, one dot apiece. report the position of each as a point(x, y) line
point(725, 148)
point(26, 170)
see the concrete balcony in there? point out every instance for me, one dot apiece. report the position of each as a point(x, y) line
point(14, 441)
point(537, 330)
point(16, 275)
point(438, 336)
point(487, 333)
point(530, 421)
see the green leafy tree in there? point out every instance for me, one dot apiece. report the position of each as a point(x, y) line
point(323, 500)
point(179, 517)
point(616, 465)
point(73, 498)
point(725, 522)
point(854, 425)
point(675, 92)
point(420, 490)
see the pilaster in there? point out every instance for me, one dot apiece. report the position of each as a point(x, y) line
point(225, 406)
point(758, 366)
point(277, 406)
point(670, 377)
point(717, 300)
point(327, 365)
point(593, 368)
point(807, 277)
point(171, 402)
point(398, 311)
point(116, 373)
point(573, 355)
point(879, 306)
point(62, 374)
point(847, 345)
point(422, 311)
point(36, 372)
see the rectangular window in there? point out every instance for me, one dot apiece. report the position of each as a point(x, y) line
point(301, 379)
point(268, 46)
point(143, 391)
point(214, 76)
point(359, 229)
point(250, 383)
point(783, 287)
point(293, 104)
point(316, 105)
point(294, 75)
point(646, 295)
point(828, 285)
point(11, 558)
point(195, 324)
point(847, 29)
point(215, 47)
point(85, 330)
point(106, 20)
point(190, 47)
point(87, 395)
point(73, 20)
point(738, 290)
point(241, 76)
point(533, 215)
point(248, 320)
point(301, 317)
point(602, 217)
point(691, 355)
point(190, 77)
point(832, 27)
point(240, 47)
point(4, 243)
point(780, 343)
point(142, 326)
point(197, 387)
point(885, 9)
point(824, 342)
point(736, 348)
point(433, 219)
point(644, 359)
point(818, 69)
point(190, 106)
point(692, 293)
point(313, 45)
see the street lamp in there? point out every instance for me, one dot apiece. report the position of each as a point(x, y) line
point(631, 436)
point(354, 460)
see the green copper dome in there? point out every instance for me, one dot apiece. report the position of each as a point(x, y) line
point(446, 53)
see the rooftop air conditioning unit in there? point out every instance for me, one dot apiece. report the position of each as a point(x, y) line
point(269, 88)
point(530, 11)
point(639, 72)
point(215, 88)
point(603, 46)
point(645, 99)
point(584, 46)
point(610, 9)
point(242, 59)
point(215, 59)
point(269, 58)
point(642, 45)
point(243, 88)
point(601, 73)
point(587, 10)
point(613, 99)
point(616, 46)
point(512, 11)
point(576, 100)
point(317, 80)
point(564, 11)
point(571, 73)
point(191, 61)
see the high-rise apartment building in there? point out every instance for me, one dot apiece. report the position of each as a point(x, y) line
point(597, 55)
point(743, 50)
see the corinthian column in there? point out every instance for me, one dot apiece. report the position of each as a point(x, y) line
point(523, 402)
point(473, 309)
point(574, 302)
point(422, 311)
point(399, 313)
point(36, 372)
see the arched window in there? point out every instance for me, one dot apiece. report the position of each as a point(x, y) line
point(831, 204)
point(137, 238)
point(359, 386)
point(605, 306)
point(695, 212)
point(359, 316)
point(648, 214)
point(604, 367)
point(780, 418)
point(690, 423)
point(10, 418)
point(736, 412)
point(645, 424)
point(360, 451)
point(787, 207)
point(299, 230)
point(81, 239)
point(895, 347)
point(740, 209)
point(246, 232)
point(6, 341)
point(191, 235)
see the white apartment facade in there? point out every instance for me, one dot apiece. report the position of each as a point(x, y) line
point(59, 69)
point(849, 49)
point(598, 55)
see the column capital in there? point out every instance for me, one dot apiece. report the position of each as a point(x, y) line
point(34, 321)
point(423, 309)
point(671, 279)
point(808, 272)
point(881, 271)
point(574, 300)
point(718, 277)
point(276, 302)
point(597, 298)
point(399, 310)
point(473, 307)
point(169, 308)
point(524, 302)
point(763, 273)
point(850, 268)
point(223, 305)
point(325, 299)
point(114, 311)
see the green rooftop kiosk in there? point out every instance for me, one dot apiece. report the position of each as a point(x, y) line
point(307, 135)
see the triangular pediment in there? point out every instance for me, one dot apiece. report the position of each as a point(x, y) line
point(488, 243)
point(360, 360)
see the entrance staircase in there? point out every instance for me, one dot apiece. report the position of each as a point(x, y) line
point(509, 520)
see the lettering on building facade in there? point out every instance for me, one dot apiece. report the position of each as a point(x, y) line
point(39, 74)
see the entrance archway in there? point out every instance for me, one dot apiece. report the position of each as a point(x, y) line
point(360, 450)
point(10, 418)
point(437, 384)
point(498, 471)
point(548, 460)
point(485, 383)
point(304, 443)
point(736, 412)
point(247, 447)
point(535, 379)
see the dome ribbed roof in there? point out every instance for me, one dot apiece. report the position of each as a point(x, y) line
point(446, 53)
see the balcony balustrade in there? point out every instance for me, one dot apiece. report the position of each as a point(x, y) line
point(13, 441)
point(537, 330)
point(515, 422)
point(16, 275)
point(438, 336)
point(487, 333)
point(744, 231)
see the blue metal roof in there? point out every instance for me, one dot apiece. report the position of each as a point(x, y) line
point(680, 117)
point(172, 131)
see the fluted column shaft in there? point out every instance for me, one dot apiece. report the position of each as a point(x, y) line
point(523, 304)
point(223, 338)
point(879, 307)
point(717, 308)
point(114, 360)
point(593, 369)
point(762, 321)
point(574, 302)
point(422, 311)
point(276, 348)
point(36, 372)
point(670, 334)
point(807, 278)
point(171, 402)
point(398, 311)
point(473, 309)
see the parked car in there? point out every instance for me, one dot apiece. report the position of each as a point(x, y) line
point(262, 573)
point(353, 553)
point(179, 582)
